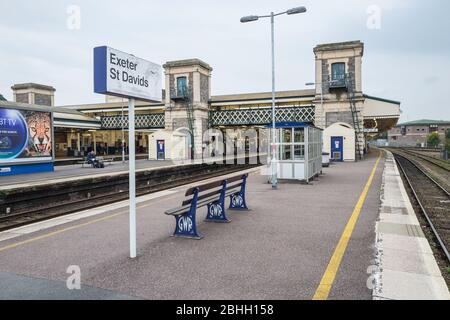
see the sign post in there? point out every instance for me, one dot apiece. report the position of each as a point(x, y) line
point(124, 75)
point(132, 177)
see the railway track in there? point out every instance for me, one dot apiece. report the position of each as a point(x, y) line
point(432, 160)
point(88, 196)
point(433, 200)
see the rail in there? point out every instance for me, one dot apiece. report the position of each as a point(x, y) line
point(429, 195)
point(28, 205)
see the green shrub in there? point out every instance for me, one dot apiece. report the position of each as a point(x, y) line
point(433, 140)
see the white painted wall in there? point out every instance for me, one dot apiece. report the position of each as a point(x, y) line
point(341, 130)
point(175, 142)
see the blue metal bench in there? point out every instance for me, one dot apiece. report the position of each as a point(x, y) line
point(212, 195)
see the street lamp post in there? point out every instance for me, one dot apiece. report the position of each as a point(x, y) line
point(272, 23)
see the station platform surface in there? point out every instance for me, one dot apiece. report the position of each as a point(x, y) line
point(286, 247)
point(405, 267)
point(77, 172)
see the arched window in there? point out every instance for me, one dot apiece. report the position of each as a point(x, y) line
point(338, 71)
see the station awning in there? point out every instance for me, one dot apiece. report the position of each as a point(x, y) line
point(380, 114)
point(75, 120)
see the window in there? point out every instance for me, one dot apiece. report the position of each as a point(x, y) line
point(287, 135)
point(299, 135)
point(181, 86)
point(338, 71)
point(299, 152)
point(286, 153)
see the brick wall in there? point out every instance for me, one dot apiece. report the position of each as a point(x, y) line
point(42, 99)
point(22, 98)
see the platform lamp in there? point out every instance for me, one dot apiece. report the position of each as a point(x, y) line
point(272, 21)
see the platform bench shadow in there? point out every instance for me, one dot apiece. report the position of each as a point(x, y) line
point(212, 195)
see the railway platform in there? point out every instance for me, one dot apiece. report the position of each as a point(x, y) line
point(77, 172)
point(298, 242)
point(405, 267)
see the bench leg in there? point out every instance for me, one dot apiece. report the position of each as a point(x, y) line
point(216, 213)
point(186, 225)
point(216, 210)
point(237, 200)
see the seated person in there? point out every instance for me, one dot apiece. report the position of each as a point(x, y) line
point(92, 159)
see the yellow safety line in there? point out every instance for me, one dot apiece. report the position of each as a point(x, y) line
point(329, 276)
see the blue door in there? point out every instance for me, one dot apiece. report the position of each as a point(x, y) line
point(337, 149)
point(161, 149)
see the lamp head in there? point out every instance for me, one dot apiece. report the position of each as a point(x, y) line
point(249, 19)
point(296, 10)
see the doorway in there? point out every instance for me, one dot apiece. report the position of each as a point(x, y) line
point(337, 149)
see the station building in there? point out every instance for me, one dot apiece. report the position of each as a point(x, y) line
point(415, 133)
point(337, 104)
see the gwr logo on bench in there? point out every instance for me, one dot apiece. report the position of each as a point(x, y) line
point(215, 210)
point(237, 201)
point(185, 224)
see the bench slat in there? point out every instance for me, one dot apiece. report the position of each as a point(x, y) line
point(208, 197)
point(209, 194)
point(237, 178)
point(204, 187)
point(201, 203)
point(215, 184)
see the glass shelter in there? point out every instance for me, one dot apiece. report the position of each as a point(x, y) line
point(299, 151)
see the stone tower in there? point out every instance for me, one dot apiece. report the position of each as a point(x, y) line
point(188, 91)
point(338, 82)
point(33, 93)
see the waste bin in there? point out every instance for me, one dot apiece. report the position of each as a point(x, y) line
point(325, 159)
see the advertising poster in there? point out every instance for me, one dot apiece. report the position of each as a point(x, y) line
point(25, 136)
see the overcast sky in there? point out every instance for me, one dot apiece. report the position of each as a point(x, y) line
point(406, 59)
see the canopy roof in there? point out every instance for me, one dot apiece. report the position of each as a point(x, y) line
point(280, 125)
point(424, 122)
